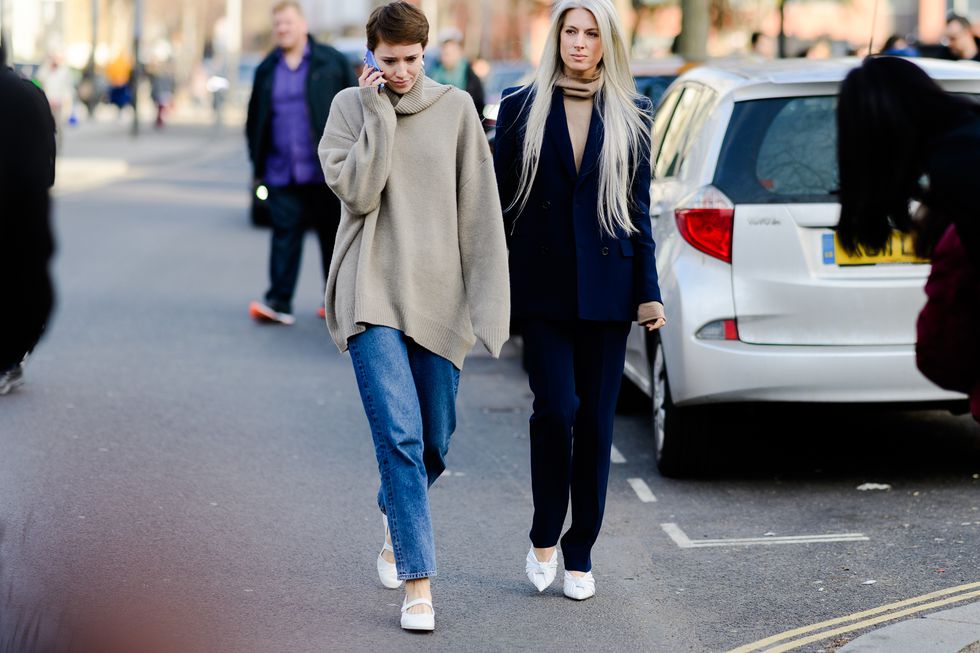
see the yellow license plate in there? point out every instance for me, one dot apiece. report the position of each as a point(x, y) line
point(898, 250)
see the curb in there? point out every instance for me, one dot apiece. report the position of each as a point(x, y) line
point(949, 631)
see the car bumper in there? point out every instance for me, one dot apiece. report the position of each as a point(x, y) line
point(710, 372)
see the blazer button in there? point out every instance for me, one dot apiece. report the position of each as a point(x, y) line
point(605, 251)
point(546, 205)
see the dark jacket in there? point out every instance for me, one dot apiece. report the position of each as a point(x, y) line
point(561, 265)
point(27, 153)
point(329, 73)
point(953, 170)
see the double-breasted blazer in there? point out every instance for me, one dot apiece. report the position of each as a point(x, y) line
point(562, 266)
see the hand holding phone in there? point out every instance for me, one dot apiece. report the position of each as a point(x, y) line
point(372, 71)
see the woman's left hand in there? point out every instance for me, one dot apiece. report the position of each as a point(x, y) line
point(651, 315)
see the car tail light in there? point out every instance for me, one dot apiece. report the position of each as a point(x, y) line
point(719, 330)
point(706, 221)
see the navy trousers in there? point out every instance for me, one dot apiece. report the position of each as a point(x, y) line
point(294, 209)
point(575, 368)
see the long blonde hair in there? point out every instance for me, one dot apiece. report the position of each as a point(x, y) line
point(626, 130)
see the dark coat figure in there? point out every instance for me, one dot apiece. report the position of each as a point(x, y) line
point(900, 138)
point(27, 153)
point(562, 266)
point(329, 73)
point(284, 158)
point(574, 293)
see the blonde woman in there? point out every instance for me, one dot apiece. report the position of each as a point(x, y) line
point(419, 272)
point(573, 169)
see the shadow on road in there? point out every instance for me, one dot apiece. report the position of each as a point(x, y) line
point(829, 441)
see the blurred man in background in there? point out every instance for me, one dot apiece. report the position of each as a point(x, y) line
point(27, 135)
point(291, 96)
point(453, 68)
point(960, 39)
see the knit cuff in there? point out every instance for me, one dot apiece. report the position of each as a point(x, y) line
point(650, 312)
point(494, 338)
point(377, 103)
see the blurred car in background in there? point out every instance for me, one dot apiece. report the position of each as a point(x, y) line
point(763, 304)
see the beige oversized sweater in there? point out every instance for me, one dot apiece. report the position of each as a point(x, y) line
point(420, 247)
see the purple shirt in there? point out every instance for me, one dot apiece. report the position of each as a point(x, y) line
point(292, 157)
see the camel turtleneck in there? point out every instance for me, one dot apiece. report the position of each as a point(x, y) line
point(579, 94)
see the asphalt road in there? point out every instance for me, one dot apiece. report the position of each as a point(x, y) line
point(171, 462)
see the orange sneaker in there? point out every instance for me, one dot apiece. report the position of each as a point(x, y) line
point(261, 312)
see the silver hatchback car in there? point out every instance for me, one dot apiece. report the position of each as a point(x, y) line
point(763, 305)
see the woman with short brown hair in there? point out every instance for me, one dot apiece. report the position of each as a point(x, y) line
point(419, 272)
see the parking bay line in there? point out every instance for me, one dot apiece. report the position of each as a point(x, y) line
point(889, 612)
point(616, 457)
point(642, 490)
point(684, 542)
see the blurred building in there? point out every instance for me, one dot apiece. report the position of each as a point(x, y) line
point(189, 31)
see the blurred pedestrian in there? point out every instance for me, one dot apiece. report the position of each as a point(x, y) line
point(162, 89)
point(454, 69)
point(291, 96)
point(59, 87)
point(418, 274)
point(898, 46)
point(960, 39)
point(118, 73)
point(902, 138)
point(762, 46)
point(573, 167)
point(27, 132)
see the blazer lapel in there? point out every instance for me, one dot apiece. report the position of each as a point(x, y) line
point(556, 131)
point(593, 146)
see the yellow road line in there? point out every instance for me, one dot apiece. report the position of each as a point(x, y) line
point(762, 643)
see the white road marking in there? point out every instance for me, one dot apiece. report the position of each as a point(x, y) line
point(616, 457)
point(684, 542)
point(642, 490)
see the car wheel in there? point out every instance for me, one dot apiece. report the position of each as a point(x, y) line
point(676, 431)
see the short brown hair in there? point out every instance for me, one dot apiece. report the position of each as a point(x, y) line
point(283, 5)
point(398, 23)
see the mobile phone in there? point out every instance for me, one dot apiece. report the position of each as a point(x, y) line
point(371, 62)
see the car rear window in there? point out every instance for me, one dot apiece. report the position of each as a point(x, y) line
point(780, 150)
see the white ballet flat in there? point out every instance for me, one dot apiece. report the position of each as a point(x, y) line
point(541, 574)
point(579, 587)
point(387, 571)
point(424, 621)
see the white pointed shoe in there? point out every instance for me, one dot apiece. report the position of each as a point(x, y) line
point(541, 574)
point(387, 571)
point(579, 587)
point(424, 621)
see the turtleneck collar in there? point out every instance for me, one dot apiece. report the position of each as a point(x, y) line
point(580, 87)
point(423, 94)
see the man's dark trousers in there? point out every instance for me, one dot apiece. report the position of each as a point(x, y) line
point(293, 209)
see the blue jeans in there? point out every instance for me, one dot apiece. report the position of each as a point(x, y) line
point(409, 396)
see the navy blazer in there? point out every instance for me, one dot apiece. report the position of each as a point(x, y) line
point(561, 264)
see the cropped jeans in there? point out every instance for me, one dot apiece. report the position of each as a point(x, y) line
point(409, 396)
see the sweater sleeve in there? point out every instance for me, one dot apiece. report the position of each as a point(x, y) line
point(482, 248)
point(356, 165)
